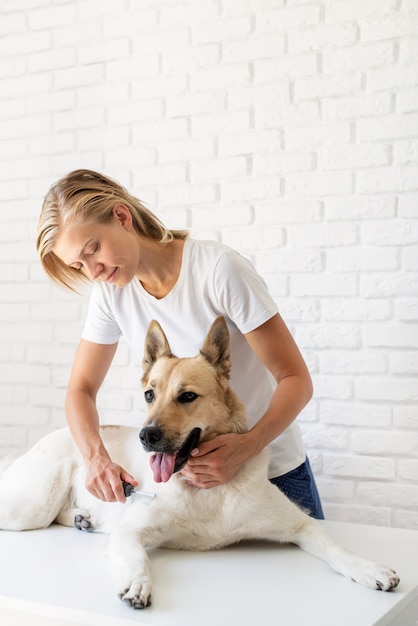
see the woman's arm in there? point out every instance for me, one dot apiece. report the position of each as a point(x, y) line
point(91, 364)
point(218, 460)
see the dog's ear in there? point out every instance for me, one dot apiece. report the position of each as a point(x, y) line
point(156, 346)
point(216, 348)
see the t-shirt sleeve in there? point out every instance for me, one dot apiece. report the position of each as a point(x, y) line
point(242, 292)
point(101, 325)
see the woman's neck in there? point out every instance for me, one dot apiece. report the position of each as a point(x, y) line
point(160, 266)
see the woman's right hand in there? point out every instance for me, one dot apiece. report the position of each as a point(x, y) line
point(104, 480)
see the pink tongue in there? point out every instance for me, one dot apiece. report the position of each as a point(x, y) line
point(163, 466)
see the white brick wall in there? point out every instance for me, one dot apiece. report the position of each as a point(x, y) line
point(287, 129)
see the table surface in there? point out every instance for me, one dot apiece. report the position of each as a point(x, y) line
point(60, 577)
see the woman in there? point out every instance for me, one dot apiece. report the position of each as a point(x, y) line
point(92, 228)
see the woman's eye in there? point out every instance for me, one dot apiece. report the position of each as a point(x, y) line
point(149, 396)
point(187, 396)
point(94, 249)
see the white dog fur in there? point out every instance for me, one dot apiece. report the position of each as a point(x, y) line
point(47, 484)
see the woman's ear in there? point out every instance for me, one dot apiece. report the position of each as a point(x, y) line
point(123, 215)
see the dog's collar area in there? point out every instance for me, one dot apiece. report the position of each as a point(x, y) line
point(183, 455)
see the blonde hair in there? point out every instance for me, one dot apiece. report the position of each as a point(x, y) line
point(83, 197)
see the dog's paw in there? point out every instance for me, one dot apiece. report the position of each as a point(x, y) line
point(138, 594)
point(82, 522)
point(376, 577)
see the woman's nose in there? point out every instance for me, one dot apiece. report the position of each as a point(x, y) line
point(93, 269)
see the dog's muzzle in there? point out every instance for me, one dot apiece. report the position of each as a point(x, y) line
point(166, 462)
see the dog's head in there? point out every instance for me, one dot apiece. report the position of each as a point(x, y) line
point(189, 399)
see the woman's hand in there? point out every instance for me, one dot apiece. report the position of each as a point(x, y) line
point(104, 480)
point(216, 461)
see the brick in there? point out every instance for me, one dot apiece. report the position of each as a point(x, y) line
point(408, 206)
point(288, 211)
point(214, 216)
point(323, 285)
point(359, 106)
point(297, 309)
point(287, 261)
point(288, 115)
point(349, 362)
point(375, 516)
point(270, 94)
point(51, 16)
point(385, 389)
point(351, 59)
point(343, 10)
point(400, 336)
point(364, 467)
point(317, 435)
point(253, 48)
point(365, 259)
point(389, 443)
point(321, 337)
point(78, 76)
point(203, 57)
point(405, 152)
point(218, 168)
point(323, 235)
point(356, 309)
point(405, 417)
point(220, 77)
point(283, 68)
point(388, 284)
point(324, 37)
point(406, 100)
point(337, 490)
point(158, 87)
point(356, 414)
point(365, 207)
point(25, 43)
point(186, 150)
point(390, 233)
point(408, 468)
point(197, 103)
point(246, 239)
point(296, 138)
point(388, 494)
point(407, 309)
point(327, 86)
point(162, 175)
point(392, 126)
point(247, 190)
point(249, 143)
point(390, 27)
point(218, 124)
point(188, 194)
point(406, 519)
point(221, 30)
point(281, 163)
point(353, 156)
point(92, 139)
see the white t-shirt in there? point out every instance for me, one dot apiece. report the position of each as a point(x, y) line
point(214, 280)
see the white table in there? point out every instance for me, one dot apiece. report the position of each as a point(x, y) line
point(61, 577)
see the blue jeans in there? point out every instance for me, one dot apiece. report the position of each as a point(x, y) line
point(300, 487)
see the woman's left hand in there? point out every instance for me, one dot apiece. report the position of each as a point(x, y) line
point(216, 461)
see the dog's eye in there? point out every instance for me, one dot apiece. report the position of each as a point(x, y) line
point(149, 396)
point(187, 396)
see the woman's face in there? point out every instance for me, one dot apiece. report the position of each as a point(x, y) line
point(108, 252)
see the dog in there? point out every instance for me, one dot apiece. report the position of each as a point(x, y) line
point(189, 400)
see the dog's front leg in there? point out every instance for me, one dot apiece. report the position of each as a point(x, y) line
point(128, 553)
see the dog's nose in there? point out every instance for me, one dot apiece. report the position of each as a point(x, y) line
point(150, 436)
